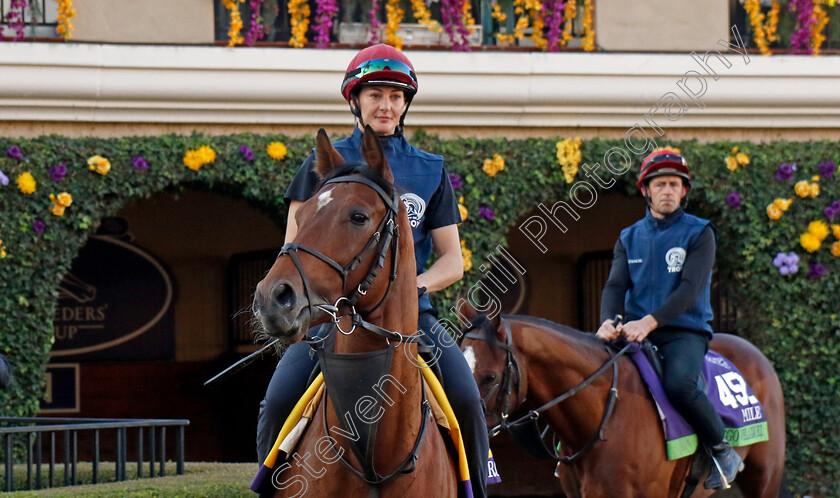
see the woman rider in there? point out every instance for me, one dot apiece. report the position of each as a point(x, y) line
point(379, 85)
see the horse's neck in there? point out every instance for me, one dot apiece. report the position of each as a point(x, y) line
point(557, 361)
point(399, 425)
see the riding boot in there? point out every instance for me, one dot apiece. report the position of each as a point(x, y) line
point(727, 465)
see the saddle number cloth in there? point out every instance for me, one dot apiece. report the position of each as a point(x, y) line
point(304, 410)
point(742, 413)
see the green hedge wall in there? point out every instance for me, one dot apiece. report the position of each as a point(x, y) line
point(793, 318)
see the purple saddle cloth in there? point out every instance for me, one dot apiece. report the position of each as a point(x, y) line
point(742, 413)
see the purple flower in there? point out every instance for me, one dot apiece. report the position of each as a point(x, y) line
point(787, 263)
point(486, 212)
point(832, 210)
point(58, 172)
point(456, 181)
point(785, 172)
point(733, 200)
point(139, 162)
point(246, 153)
point(14, 153)
point(816, 271)
point(4, 180)
point(39, 226)
point(827, 169)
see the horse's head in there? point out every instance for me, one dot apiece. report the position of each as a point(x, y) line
point(346, 233)
point(490, 352)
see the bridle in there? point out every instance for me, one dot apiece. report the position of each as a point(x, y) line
point(532, 416)
point(390, 242)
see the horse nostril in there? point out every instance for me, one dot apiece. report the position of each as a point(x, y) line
point(284, 295)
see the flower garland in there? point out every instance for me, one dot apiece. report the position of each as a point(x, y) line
point(394, 14)
point(801, 37)
point(15, 19)
point(455, 14)
point(323, 21)
point(500, 18)
point(569, 156)
point(65, 13)
point(235, 22)
point(374, 22)
point(299, 10)
point(255, 31)
point(569, 15)
point(554, 14)
point(763, 34)
point(820, 21)
point(421, 12)
point(587, 41)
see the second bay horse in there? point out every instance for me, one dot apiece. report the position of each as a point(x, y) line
point(521, 363)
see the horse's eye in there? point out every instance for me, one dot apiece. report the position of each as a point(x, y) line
point(489, 378)
point(358, 218)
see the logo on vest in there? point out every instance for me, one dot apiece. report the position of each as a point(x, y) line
point(675, 257)
point(416, 206)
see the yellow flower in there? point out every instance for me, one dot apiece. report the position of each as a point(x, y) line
point(813, 190)
point(99, 164)
point(783, 204)
point(569, 156)
point(815, 178)
point(26, 183)
point(734, 150)
point(802, 188)
point(774, 212)
point(809, 242)
point(464, 213)
point(818, 229)
point(499, 161)
point(60, 202)
point(836, 230)
point(742, 159)
point(195, 159)
point(835, 249)
point(731, 163)
point(466, 255)
point(277, 150)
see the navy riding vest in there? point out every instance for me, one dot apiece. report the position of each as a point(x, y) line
point(656, 251)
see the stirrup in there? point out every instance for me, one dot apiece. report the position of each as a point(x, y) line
point(725, 484)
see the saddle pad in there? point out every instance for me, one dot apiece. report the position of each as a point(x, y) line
point(742, 413)
point(305, 408)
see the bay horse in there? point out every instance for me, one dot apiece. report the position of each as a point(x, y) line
point(354, 226)
point(616, 443)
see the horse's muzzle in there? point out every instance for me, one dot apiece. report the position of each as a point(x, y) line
point(280, 311)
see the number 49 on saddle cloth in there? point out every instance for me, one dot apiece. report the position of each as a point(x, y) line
point(305, 408)
point(742, 413)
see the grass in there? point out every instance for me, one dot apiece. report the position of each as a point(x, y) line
point(200, 479)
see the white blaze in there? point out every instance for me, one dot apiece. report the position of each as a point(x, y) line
point(324, 199)
point(469, 355)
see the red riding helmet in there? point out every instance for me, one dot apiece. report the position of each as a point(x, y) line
point(661, 163)
point(380, 65)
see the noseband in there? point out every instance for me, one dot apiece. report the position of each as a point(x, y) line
point(390, 241)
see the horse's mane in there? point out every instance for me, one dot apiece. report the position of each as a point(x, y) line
point(572, 333)
point(362, 169)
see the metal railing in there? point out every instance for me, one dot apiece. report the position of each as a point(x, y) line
point(35, 429)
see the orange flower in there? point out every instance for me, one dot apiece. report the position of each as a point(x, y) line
point(835, 249)
point(774, 212)
point(802, 189)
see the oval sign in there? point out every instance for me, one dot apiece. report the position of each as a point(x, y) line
point(114, 304)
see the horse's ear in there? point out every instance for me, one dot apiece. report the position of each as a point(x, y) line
point(374, 156)
point(326, 157)
point(467, 311)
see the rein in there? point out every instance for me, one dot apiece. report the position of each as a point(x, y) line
point(533, 415)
